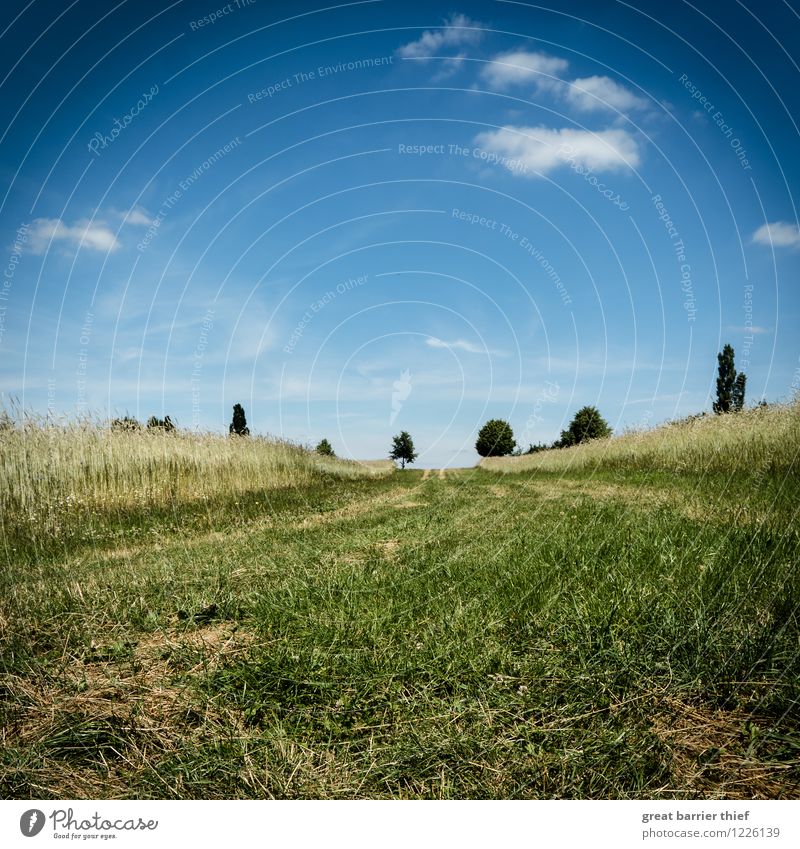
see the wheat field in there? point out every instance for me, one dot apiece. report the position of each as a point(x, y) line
point(56, 475)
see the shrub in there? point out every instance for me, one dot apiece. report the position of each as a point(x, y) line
point(126, 423)
point(539, 446)
point(165, 424)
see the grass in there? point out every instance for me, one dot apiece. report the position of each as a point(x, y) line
point(762, 441)
point(600, 630)
point(65, 482)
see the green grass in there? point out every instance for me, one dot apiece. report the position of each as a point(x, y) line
point(589, 633)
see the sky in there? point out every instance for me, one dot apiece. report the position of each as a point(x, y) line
point(361, 218)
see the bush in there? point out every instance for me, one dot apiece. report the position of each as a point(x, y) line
point(495, 439)
point(540, 446)
point(165, 424)
point(126, 423)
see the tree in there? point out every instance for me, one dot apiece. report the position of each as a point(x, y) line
point(730, 385)
point(587, 424)
point(325, 448)
point(403, 449)
point(239, 424)
point(495, 439)
point(726, 378)
point(738, 392)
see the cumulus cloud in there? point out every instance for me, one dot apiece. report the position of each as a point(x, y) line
point(591, 94)
point(458, 30)
point(45, 232)
point(521, 66)
point(532, 150)
point(447, 68)
point(545, 72)
point(138, 216)
point(779, 234)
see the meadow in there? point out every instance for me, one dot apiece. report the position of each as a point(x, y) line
point(204, 617)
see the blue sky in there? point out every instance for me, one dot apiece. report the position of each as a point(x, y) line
point(381, 216)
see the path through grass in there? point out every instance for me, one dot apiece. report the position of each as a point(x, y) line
point(477, 635)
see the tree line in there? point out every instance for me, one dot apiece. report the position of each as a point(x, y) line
point(496, 438)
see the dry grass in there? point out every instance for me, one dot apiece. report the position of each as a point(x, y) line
point(721, 754)
point(394, 499)
point(761, 441)
point(54, 474)
point(380, 466)
point(118, 707)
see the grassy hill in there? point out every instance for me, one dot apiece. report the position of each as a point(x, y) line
point(618, 620)
point(752, 443)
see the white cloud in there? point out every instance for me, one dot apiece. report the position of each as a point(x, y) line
point(520, 66)
point(138, 216)
point(83, 234)
point(780, 234)
point(544, 71)
point(458, 30)
point(540, 149)
point(752, 329)
point(594, 93)
point(447, 68)
point(459, 345)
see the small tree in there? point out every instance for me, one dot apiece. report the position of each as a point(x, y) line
point(587, 424)
point(495, 439)
point(239, 424)
point(403, 449)
point(738, 392)
point(325, 448)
